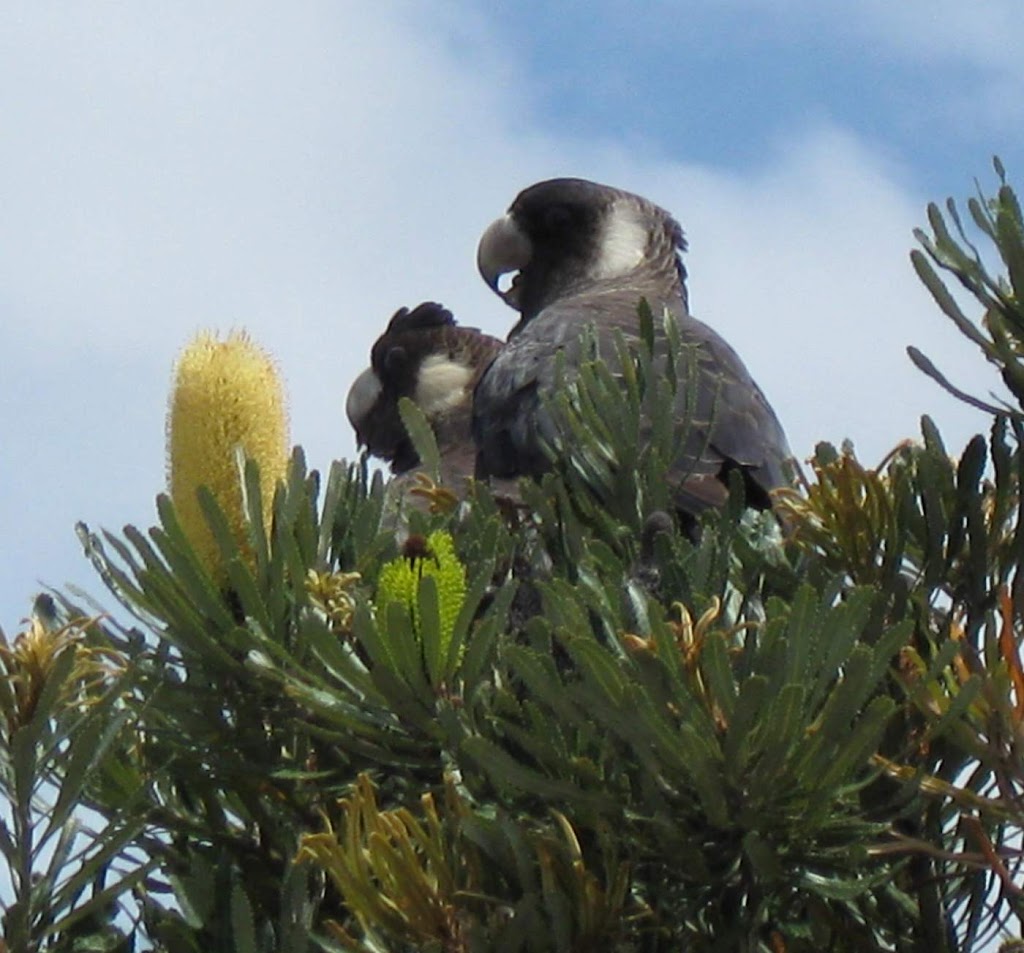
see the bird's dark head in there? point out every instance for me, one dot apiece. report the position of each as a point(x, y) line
point(564, 233)
point(425, 356)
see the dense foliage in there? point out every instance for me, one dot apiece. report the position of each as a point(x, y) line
point(560, 725)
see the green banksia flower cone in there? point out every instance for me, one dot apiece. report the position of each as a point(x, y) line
point(399, 581)
point(226, 395)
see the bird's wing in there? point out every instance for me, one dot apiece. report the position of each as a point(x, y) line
point(730, 422)
point(742, 428)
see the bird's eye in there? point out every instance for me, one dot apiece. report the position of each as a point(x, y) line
point(396, 361)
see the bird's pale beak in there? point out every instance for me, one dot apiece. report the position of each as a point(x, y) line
point(503, 249)
point(362, 396)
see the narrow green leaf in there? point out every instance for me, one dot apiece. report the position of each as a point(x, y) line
point(782, 729)
point(118, 583)
point(100, 901)
point(745, 715)
point(182, 560)
point(513, 776)
point(946, 302)
point(405, 647)
point(859, 744)
point(195, 891)
point(951, 718)
point(241, 578)
point(243, 926)
point(482, 640)
point(87, 746)
point(334, 492)
point(369, 636)
point(337, 657)
point(597, 666)
point(849, 695)
point(433, 647)
point(540, 677)
point(467, 613)
point(111, 844)
point(839, 888)
point(396, 660)
point(924, 364)
point(422, 437)
point(252, 506)
point(982, 217)
point(717, 668)
point(765, 862)
point(296, 918)
point(7, 845)
point(838, 630)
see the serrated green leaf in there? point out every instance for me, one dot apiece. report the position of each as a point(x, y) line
point(781, 730)
point(243, 926)
point(598, 667)
point(744, 717)
point(540, 676)
point(511, 775)
point(717, 668)
point(849, 695)
point(859, 744)
point(482, 640)
point(946, 302)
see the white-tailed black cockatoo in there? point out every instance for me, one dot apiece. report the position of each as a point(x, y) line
point(584, 255)
point(425, 356)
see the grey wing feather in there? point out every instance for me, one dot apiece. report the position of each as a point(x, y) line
point(732, 424)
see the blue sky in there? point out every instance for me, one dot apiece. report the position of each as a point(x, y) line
point(720, 82)
point(303, 170)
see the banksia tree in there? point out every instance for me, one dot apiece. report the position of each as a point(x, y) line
point(568, 728)
point(227, 404)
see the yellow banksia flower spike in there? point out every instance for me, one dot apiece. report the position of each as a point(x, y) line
point(226, 395)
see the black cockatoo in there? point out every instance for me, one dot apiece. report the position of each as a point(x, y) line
point(584, 255)
point(425, 356)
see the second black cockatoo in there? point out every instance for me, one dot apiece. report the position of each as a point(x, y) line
point(425, 356)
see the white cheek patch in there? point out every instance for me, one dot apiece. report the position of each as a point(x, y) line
point(362, 395)
point(623, 242)
point(441, 384)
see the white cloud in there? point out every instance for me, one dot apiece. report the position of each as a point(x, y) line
point(304, 174)
point(985, 35)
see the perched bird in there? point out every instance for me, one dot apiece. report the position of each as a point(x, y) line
point(585, 254)
point(425, 356)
